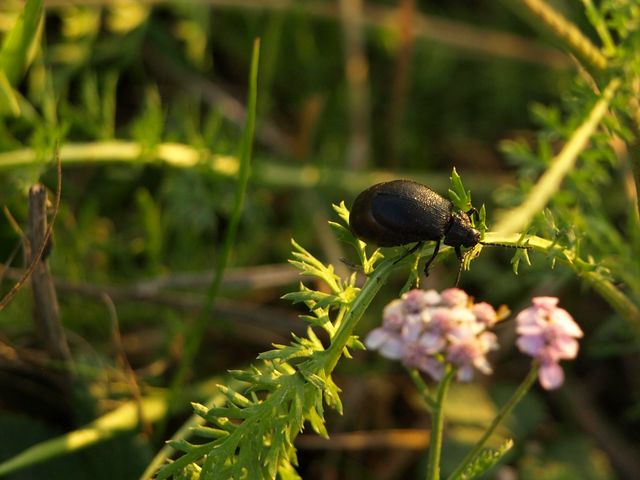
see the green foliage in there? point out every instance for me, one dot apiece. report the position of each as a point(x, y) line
point(159, 90)
point(460, 197)
point(255, 430)
point(18, 46)
point(605, 229)
point(17, 52)
point(484, 461)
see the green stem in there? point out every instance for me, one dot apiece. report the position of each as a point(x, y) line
point(437, 424)
point(607, 290)
point(123, 419)
point(601, 27)
point(195, 333)
point(518, 219)
point(506, 410)
point(267, 172)
point(568, 33)
point(422, 387)
point(359, 306)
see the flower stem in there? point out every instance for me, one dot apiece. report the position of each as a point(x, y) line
point(437, 423)
point(422, 387)
point(357, 308)
point(506, 410)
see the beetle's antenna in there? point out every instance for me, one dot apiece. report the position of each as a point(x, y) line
point(460, 271)
point(491, 244)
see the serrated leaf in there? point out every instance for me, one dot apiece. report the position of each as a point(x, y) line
point(342, 211)
point(343, 233)
point(332, 395)
point(317, 423)
point(355, 343)
point(316, 380)
point(484, 461)
point(271, 459)
point(234, 397)
point(208, 432)
point(244, 375)
point(190, 472)
point(460, 197)
point(307, 295)
point(181, 445)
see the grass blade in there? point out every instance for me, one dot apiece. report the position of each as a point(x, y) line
point(18, 46)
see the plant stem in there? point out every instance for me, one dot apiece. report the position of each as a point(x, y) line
point(266, 172)
point(193, 336)
point(506, 410)
point(601, 27)
point(422, 388)
point(437, 423)
point(607, 290)
point(352, 317)
point(568, 32)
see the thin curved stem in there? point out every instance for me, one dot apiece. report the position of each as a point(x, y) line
point(607, 290)
point(437, 426)
point(502, 414)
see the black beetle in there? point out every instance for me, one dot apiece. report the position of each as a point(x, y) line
point(399, 212)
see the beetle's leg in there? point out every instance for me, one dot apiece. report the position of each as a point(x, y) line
point(433, 257)
point(473, 211)
point(413, 249)
point(459, 272)
point(351, 265)
point(458, 252)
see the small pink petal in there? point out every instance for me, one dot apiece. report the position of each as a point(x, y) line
point(561, 318)
point(392, 348)
point(546, 303)
point(432, 343)
point(393, 315)
point(454, 297)
point(432, 367)
point(530, 321)
point(412, 329)
point(488, 341)
point(425, 315)
point(465, 373)
point(442, 319)
point(376, 337)
point(462, 315)
point(531, 344)
point(432, 297)
point(551, 376)
point(482, 364)
point(460, 334)
point(414, 301)
point(485, 313)
point(565, 348)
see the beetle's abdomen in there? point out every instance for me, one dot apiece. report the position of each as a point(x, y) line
point(400, 212)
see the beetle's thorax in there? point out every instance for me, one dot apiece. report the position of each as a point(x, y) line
point(461, 232)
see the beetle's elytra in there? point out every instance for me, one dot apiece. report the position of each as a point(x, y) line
point(401, 211)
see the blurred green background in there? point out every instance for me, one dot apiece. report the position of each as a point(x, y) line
point(349, 93)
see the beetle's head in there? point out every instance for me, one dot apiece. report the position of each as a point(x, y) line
point(461, 232)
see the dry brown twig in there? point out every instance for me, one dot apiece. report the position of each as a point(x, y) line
point(47, 238)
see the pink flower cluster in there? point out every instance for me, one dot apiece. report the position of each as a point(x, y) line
point(425, 329)
point(548, 333)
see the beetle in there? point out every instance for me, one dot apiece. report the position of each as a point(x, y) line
point(400, 212)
